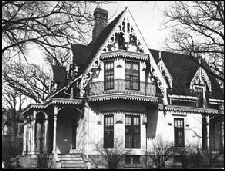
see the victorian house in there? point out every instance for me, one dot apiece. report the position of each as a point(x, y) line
point(119, 90)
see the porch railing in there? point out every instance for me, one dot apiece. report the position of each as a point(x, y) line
point(97, 88)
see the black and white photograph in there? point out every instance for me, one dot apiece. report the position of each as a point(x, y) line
point(112, 84)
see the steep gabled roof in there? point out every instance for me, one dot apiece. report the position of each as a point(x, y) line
point(83, 55)
point(217, 91)
point(182, 69)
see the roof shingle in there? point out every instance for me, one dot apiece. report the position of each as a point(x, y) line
point(84, 54)
point(182, 69)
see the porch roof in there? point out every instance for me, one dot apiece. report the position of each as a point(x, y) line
point(123, 96)
point(177, 108)
point(52, 101)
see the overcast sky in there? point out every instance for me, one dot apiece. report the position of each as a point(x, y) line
point(147, 14)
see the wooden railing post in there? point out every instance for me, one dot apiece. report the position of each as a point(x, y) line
point(148, 89)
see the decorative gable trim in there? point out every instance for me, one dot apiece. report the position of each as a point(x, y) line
point(202, 78)
point(162, 67)
point(124, 54)
point(154, 67)
point(87, 75)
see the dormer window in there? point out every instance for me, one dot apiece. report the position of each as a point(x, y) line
point(200, 90)
point(109, 75)
point(132, 75)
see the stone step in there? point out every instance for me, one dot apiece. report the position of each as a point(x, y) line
point(71, 161)
point(75, 168)
point(176, 165)
point(73, 165)
point(70, 156)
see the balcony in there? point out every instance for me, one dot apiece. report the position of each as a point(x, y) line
point(146, 91)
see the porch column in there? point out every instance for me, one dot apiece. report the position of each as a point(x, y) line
point(25, 136)
point(46, 133)
point(33, 132)
point(207, 127)
point(86, 129)
point(29, 135)
point(55, 126)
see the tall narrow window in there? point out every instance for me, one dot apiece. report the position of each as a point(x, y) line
point(132, 132)
point(204, 133)
point(108, 131)
point(179, 132)
point(199, 91)
point(109, 75)
point(132, 75)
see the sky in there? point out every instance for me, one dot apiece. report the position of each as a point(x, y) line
point(147, 14)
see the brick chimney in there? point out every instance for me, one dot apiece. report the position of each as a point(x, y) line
point(101, 19)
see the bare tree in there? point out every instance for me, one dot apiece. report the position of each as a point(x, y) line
point(12, 101)
point(30, 80)
point(49, 24)
point(52, 26)
point(198, 29)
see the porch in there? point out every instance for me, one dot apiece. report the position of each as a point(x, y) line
point(51, 129)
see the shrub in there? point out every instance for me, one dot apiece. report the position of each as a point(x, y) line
point(161, 152)
point(11, 148)
point(112, 156)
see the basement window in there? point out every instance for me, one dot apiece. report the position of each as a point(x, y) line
point(132, 159)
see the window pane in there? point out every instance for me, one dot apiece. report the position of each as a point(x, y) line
point(128, 141)
point(135, 70)
point(136, 120)
point(127, 77)
point(128, 120)
point(135, 86)
point(127, 159)
point(128, 65)
point(136, 159)
point(136, 141)
point(135, 66)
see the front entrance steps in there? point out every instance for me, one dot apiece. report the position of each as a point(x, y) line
point(72, 161)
